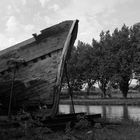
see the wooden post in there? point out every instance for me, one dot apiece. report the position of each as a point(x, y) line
point(69, 87)
point(11, 94)
point(12, 64)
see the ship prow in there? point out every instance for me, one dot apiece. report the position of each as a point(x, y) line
point(31, 72)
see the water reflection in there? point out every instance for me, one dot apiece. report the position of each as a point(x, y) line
point(107, 111)
point(134, 112)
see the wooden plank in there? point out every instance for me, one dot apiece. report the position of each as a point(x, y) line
point(38, 81)
point(34, 49)
point(62, 63)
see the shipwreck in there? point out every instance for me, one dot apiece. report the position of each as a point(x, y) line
point(31, 72)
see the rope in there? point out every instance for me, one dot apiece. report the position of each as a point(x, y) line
point(70, 90)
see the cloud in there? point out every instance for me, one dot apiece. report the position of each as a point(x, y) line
point(5, 41)
point(43, 2)
point(15, 6)
point(29, 28)
point(15, 32)
point(89, 26)
point(12, 24)
point(9, 7)
point(24, 2)
point(54, 7)
point(48, 20)
point(21, 21)
point(88, 12)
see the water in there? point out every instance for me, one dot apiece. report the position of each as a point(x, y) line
point(107, 111)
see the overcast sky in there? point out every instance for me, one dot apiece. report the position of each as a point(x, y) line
point(19, 19)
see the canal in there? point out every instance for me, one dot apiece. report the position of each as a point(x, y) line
point(116, 112)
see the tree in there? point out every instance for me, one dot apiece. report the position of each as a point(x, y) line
point(81, 66)
point(113, 58)
point(118, 56)
point(73, 71)
point(135, 39)
point(124, 50)
point(105, 60)
point(86, 64)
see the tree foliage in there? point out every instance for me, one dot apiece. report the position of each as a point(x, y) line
point(81, 67)
point(105, 59)
point(111, 59)
point(117, 57)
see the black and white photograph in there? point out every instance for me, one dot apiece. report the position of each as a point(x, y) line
point(69, 70)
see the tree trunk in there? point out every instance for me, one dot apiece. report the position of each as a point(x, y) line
point(102, 86)
point(88, 88)
point(124, 86)
point(103, 90)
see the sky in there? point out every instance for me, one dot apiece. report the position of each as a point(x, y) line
point(19, 19)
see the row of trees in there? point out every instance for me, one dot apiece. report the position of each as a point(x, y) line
point(114, 58)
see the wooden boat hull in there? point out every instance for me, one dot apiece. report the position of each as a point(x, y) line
point(34, 78)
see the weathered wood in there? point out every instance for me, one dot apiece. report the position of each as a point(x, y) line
point(33, 49)
point(65, 53)
point(38, 78)
point(60, 121)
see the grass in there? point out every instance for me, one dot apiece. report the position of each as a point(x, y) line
point(95, 99)
point(102, 101)
point(128, 130)
point(123, 130)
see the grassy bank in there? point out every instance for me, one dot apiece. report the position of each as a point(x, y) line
point(83, 131)
point(94, 98)
point(109, 101)
point(125, 131)
point(98, 94)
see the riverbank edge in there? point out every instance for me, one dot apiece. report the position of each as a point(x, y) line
point(102, 101)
